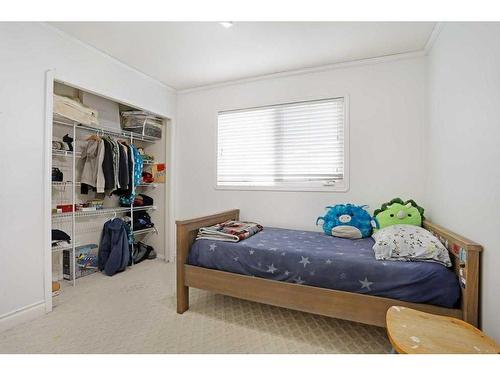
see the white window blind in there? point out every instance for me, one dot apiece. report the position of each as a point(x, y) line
point(288, 145)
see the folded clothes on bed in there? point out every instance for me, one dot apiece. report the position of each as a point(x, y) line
point(230, 231)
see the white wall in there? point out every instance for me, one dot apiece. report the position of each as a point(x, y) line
point(387, 114)
point(27, 51)
point(463, 146)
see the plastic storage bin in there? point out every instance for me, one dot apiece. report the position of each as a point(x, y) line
point(142, 123)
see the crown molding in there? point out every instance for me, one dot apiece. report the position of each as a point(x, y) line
point(433, 37)
point(315, 69)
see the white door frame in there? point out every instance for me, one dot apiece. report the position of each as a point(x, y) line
point(47, 188)
point(51, 77)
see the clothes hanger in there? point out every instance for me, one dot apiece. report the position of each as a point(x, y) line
point(94, 137)
point(114, 217)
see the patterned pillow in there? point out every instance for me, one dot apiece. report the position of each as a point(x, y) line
point(409, 243)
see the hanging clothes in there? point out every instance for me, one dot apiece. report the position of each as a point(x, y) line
point(90, 161)
point(92, 164)
point(116, 160)
point(111, 166)
point(114, 249)
point(115, 153)
point(100, 178)
point(123, 172)
point(108, 165)
point(130, 153)
point(135, 173)
point(138, 165)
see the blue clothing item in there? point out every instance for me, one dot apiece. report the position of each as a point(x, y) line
point(127, 200)
point(138, 166)
point(315, 259)
point(114, 251)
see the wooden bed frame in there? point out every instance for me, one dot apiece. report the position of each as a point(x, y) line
point(333, 303)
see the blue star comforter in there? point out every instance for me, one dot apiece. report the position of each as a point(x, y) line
point(313, 258)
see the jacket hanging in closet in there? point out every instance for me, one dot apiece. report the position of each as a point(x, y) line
point(114, 250)
point(123, 172)
point(92, 160)
point(115, 154)
point(108, 165)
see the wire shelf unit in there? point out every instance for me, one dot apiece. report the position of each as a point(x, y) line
point(144, 231)
point(66, 153)
point(67, 220)
point(67, 183)
point(147, 184)
point(69, 246)
point(124, 134)
point(102, 211)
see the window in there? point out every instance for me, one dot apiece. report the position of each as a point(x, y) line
point(296, 146)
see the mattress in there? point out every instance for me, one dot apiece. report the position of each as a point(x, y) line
point(315, 259)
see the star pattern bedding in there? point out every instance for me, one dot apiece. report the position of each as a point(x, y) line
point(315, 259)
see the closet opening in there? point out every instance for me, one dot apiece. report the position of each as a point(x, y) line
point(109, 176)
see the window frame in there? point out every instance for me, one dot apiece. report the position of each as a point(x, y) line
point(341, 187)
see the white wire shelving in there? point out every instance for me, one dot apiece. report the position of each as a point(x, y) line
point(102, 211)
point(59, 218)
point(66, 153)
point(60, 120)
point(144, 231)
point(148, 184)
point(65, 183)
point(69, 246)
point(68, 183)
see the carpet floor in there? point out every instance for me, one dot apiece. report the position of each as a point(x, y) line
point(134, 312)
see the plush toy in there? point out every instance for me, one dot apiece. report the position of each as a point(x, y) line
point(398, 212)
point(346, 221)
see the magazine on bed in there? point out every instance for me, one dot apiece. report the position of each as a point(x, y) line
point(230, 231)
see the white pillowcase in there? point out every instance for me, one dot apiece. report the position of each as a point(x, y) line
point(409, 243)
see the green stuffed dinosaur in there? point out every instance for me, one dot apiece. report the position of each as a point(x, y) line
point(398, 212)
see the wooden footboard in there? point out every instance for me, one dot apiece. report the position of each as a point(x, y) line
point(337, 304)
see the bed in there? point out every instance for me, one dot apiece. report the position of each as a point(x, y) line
point(311, 272)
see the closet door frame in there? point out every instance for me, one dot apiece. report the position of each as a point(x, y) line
point(47, 205)
point(52, 76)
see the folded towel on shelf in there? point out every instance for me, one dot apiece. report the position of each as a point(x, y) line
point(230, 231)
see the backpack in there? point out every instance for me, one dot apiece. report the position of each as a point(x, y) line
point(142, 220)
point(141, 252)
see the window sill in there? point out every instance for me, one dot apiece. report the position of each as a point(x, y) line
point(325, 189)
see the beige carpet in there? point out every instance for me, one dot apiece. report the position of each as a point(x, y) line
point(134, 312)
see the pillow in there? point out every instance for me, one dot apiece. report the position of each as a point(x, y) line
point(398, 212)
point(409, 243)
point(346, 221)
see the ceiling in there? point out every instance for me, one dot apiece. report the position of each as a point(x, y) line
point(191, 54)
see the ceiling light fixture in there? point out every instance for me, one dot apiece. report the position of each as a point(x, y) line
point(226, 24)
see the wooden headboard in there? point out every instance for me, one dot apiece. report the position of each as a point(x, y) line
point(186, 234)
point(465, 255)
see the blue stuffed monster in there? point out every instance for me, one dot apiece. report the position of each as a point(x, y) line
point(347, 221)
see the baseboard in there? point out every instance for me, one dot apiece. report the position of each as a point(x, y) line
point(162, 258)
point(23, 315)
